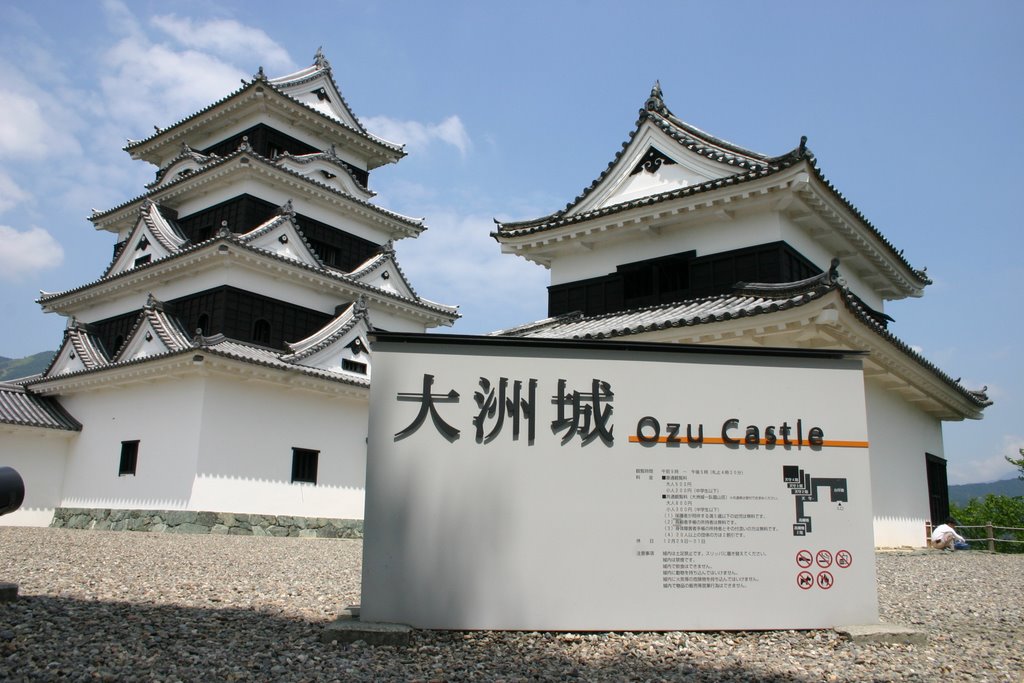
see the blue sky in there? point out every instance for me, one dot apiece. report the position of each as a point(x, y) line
point(508, 110)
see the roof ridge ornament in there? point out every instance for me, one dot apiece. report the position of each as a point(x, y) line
point(656, 101)
point(260, 75)
point(359, 306)
point(832, 277)
point(320, 61)
point(244, 145)
point(388, 248)
point(802, 149)
point(287, 209)
point(224, 231)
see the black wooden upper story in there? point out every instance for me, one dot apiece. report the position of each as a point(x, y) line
point(679, 277)
point(335, 247)
point(270, 142)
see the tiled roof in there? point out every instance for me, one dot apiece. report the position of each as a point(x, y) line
point(753, 164)
point(322, 66)
point(84, 343)
point(20, 407)
point(185, 153)
point(246, 150)
point(662, 316)
point(218, 345)
point(724, 307)
point(261, 79)
point(329, 155)
point(328, 334)
point(240, 241)
point(386, 256)
point(560, 218)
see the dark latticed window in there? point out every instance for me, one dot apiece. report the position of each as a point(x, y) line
point(129, 458)
point(304, 464)
point(261, 332)
point(353, 366)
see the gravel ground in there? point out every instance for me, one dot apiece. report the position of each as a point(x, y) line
point(121, 606)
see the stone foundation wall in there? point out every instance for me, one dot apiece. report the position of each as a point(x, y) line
point(191, 522)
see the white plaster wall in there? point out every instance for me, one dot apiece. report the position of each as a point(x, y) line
point(245, 453)
point(387, 320)
point(164, 416)
point(39, 456)
point(900, 435)
point(822, 257)
point(706, 238)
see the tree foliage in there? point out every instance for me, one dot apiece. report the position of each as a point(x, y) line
point(1018, 463)
point(1000, 511)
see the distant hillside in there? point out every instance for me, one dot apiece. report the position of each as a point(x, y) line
point(961, 494)
point(15, 368)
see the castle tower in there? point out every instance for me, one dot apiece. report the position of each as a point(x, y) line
point(219, 362)
point(688, 238)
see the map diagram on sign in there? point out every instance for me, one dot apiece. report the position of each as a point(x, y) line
point(805, 489)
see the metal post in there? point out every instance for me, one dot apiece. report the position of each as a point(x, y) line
point(927, 534)
point(989, 533)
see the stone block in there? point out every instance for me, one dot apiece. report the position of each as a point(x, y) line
point(177, 517)
point(345, 629)
point(220, 529)
point(8, 592)
point(883, 633)
point(207, 519)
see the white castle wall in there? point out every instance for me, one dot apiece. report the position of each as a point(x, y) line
point(900, 435)
point(39, 456)
point(217, 444)
point(245, 452)
point(164, 415)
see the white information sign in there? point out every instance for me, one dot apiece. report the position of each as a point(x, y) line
point(600, 486)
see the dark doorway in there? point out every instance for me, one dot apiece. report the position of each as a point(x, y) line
point(938, 488)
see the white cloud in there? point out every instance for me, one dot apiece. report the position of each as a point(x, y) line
point(24, 252)
point(10, 194)
point(225, 37)
point(151, 81)
point(417, 136)
point(32, 127)
point(151, 84)
point(456, 262)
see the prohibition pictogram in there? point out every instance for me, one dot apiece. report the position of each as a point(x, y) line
point(804, 558)
point(824, 559)
point(844, 559)
point(805, 580)
point(825, 580)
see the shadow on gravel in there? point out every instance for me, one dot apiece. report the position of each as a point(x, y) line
point(54, 638)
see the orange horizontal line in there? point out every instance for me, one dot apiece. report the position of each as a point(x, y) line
point(713, 440)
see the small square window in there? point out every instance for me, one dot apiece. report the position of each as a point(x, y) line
point(129, 458)
point(304, 462)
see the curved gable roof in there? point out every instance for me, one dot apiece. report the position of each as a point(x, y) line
point(380, 151)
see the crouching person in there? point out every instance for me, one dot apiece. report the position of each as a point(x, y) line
point(945, 537)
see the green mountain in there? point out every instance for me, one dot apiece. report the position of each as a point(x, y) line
point(15, 368)
point(961, 494)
